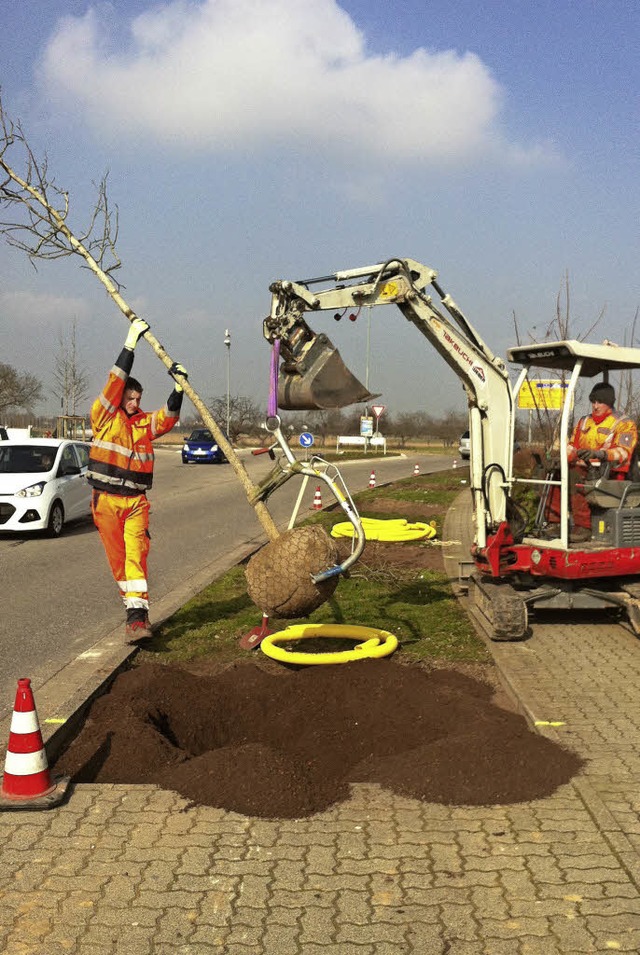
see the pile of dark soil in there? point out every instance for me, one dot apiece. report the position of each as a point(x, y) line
point(282, 743)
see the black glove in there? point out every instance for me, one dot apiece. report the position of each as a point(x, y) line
point(178, 369)
point(585, 454)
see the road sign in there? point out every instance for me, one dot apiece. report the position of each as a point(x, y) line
point(378, 409)
point(546, 393)
point(306, 439)
point(366, 426)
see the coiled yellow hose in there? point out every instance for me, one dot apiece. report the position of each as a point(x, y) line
point(387, 530)
point(380, 643)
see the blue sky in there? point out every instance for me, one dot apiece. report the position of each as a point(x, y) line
point(250, 140)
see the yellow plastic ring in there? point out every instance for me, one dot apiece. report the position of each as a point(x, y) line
point(377, 643)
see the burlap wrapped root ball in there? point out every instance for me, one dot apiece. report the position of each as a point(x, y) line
point(279, 575)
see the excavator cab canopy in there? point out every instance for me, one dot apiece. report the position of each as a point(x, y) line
point(565, 355)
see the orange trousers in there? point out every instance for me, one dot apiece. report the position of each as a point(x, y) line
point(123, 525)
point(578, 507)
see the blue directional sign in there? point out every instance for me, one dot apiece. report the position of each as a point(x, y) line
point(306, 439)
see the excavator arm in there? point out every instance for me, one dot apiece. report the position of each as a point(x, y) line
point(312, 375)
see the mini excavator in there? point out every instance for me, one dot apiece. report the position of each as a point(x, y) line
point(516, 565)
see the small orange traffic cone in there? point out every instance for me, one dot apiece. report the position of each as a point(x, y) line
point(317, 500)
point(416, 470)
point(372, 479)
point(27, 782)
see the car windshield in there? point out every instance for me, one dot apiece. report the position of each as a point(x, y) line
point(202, 435)
point(25, 459)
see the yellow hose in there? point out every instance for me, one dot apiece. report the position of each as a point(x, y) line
point(387, 530)
point(380, 643)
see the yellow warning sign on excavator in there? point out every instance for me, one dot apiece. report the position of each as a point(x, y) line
point(542, 393)
point(389, 290)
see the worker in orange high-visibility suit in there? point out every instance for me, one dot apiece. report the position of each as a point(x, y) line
point(121, 473)
point(602, 437)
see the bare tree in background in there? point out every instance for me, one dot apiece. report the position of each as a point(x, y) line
point(628, 400)
point(18, 389)
point(34, 218)
point(71, 378)
point(558, 329)
point(322, 423)
point(560, 326)
point(244, 415)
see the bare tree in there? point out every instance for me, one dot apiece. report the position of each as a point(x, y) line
point(34, 218)
point(71, 379)
point(244, 415)
point(446, 429)
point(628, 401)
point(560, 328)
point(322, 423)
point(18, 389)
point(404, 426)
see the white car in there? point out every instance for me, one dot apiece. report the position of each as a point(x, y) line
point(43, 484)
point(464, 448)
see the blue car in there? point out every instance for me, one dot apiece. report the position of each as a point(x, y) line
point(201, 446)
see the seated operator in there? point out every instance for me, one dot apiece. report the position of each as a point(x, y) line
point(602, 437)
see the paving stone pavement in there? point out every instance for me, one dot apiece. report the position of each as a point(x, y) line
point(130, 870)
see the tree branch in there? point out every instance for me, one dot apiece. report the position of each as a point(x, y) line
point(46, 235)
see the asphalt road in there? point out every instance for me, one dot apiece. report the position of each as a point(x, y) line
point(59, 598)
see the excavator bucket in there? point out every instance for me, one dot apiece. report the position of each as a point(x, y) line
point(319, 379)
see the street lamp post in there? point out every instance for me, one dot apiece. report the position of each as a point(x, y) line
point(227, 341)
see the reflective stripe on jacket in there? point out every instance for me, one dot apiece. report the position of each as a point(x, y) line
point(121, 457)
point(616, 434)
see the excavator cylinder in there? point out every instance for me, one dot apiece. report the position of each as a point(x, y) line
point(319, 379)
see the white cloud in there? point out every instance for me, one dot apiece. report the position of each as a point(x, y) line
point(32, 310)
point(226, 75)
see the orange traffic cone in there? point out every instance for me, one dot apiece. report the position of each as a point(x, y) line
point(416, 470)
point(455, 463)
point(317, 500)
point(27, 782)
point(372, 479)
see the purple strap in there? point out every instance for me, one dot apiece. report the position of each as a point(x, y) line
point(272, 406)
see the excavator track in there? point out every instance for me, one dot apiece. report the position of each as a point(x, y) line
point(501, 608)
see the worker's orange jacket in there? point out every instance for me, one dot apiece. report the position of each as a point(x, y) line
point(121, 458)
point(616, 434)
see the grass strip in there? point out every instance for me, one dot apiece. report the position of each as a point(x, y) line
point(411, 598)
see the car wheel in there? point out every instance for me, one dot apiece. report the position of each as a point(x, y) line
point(56, 520)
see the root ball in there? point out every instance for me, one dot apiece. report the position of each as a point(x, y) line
point(279, 575)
